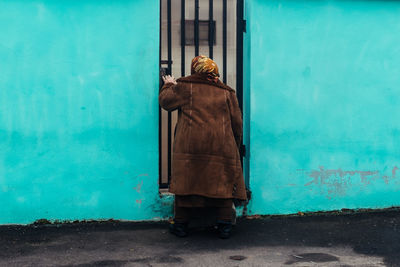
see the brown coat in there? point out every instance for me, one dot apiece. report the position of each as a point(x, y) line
point(206, 159)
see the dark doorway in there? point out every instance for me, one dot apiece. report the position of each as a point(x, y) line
point(198, 27)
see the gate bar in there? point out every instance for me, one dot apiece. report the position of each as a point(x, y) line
point(224, 39)
point(170, 73)
point(159, 109)
point(169, 37)
point(211, 29)
point(240, 28)
point(196, 27)
point(183, 37)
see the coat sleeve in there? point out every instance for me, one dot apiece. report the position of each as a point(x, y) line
point(236, 117)
point(172, 96)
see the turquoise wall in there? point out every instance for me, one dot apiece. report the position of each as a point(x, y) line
point(79, 110)
point(323, 90)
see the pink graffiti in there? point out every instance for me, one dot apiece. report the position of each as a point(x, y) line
point(336, 181)
point(394, 171)
point(322, 175)
point(138, 187)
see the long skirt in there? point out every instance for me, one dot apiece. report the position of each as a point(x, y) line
point(185, 206)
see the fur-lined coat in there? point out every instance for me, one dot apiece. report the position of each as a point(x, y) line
point(208, 133)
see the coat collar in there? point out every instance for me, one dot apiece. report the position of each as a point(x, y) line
point(199, 78)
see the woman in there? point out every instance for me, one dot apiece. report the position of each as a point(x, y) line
point(206, 169)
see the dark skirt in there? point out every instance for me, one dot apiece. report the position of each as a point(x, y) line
point(195, 201)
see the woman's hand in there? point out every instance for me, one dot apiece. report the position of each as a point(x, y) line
point(169, 79)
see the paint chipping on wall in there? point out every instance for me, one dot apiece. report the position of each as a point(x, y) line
point(337, 181)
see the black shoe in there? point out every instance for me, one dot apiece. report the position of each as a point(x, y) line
point(224, 229)
point(178, 229)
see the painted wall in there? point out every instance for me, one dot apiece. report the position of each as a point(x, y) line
point(79, 110)
point(324, 93)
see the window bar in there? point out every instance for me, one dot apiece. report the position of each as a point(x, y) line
point(183, 37)
point(211, 29)
point(170, 73)
point(224, 39)
point(196, 27)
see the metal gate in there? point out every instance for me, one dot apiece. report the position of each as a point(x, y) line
point(190, 28)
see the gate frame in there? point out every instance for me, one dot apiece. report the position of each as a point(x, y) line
point(240, 29)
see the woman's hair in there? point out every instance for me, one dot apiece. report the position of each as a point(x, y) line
point(204, 65)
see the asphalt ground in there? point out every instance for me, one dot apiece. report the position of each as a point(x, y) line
point(334, 239)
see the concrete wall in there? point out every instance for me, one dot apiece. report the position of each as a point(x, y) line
point(324, 92)
point(79, 110)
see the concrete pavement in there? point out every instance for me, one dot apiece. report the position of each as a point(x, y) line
point(359, 239)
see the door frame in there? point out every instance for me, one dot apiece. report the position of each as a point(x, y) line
point(165, 65)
